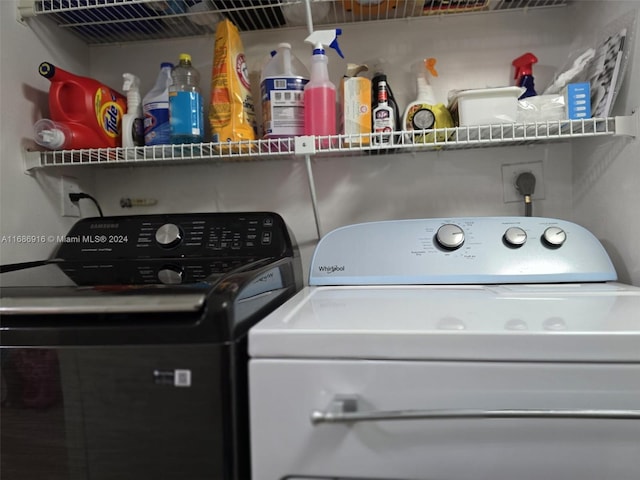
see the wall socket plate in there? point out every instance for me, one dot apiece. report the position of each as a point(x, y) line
point(69, 185)
point(509, 174)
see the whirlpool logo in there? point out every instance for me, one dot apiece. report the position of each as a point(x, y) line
point(329, 269)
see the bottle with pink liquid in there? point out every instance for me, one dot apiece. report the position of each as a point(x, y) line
point(319, 92)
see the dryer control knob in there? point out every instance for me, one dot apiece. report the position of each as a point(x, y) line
point(168, 235)
point(554, 237)
point(515, 237)
point(170, 275)
point(450, 236)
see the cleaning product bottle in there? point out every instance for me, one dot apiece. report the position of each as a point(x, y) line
point(186, 114)
point(89, 110)
point(282, 85)
point(355, 106)
point(320, 93)
point(425, 113)
point(378, 77)
point(524, 74)
point(383, 118)
point(132, 121)
point(155, 106)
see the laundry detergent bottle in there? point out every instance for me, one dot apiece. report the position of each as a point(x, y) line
point(320, 93)
point(86, 113)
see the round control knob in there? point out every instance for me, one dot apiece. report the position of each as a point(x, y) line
point(450, 236)
point(170, 275)
point(515, 237)
point(168, 235)
point(554, 237)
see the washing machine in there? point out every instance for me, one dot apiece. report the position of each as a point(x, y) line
point(493, 348)
point(125, 354)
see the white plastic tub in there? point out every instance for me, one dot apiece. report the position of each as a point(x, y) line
point(486, 106)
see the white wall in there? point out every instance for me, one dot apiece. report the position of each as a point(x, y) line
point(606, 194)
point(29, 205)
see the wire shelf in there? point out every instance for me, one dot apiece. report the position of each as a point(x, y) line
point(120, 21)
point(335, 145)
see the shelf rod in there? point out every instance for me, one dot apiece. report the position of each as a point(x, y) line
point(312, 191)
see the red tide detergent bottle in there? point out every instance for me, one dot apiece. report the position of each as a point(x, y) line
point(83, 109)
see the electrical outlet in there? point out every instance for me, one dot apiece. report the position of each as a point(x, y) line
point(509, 174)
point(69, 185)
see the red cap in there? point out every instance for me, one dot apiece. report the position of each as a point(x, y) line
point(524, 65)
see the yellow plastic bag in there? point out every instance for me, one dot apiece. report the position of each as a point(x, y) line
point(231, 113)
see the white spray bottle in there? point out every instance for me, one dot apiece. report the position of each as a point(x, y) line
point(426, 113)
point(320, 93)
point(133, 120)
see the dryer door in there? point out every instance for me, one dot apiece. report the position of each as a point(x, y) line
point(422, 420)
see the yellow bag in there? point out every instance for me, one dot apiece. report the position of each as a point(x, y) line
point(231, 113)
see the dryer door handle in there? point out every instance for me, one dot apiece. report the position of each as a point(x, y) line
point(347, 409)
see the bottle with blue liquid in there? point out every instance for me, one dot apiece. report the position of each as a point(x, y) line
point(186, 114)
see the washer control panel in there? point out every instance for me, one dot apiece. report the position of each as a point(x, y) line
point(461, 251)
point(172, 249)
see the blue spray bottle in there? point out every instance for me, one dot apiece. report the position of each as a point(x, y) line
point(524, 74)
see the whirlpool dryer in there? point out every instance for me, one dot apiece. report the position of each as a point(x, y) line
point(124, 356)
point(462, 348)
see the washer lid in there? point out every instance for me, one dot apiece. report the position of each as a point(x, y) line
point(538, 322)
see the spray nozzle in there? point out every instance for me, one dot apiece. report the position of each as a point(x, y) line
point(430, 65)
point(132, 88)
point(321, 38)
point(422, 70)
point(131, 82)
point(524, 66)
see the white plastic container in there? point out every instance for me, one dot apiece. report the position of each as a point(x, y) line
point(282, 85)
point(155, 106)
point(487, 106)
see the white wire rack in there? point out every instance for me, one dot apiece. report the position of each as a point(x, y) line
point(339, 145)
point(118, 21)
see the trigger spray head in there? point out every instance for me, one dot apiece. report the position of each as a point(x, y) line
point(131, 82)
point(430, 65)
point(321, 38)
point(524, 66)
point(132, 88)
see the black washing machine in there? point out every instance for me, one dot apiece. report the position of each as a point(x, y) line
point(124, 356)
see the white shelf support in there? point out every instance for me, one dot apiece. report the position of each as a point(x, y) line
point(628, 125)
point(305, 145)
point(26, 9)
point(31, 161)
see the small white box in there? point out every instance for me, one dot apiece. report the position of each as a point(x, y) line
point(486, 106)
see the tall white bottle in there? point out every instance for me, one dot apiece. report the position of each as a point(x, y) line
point(132, 121)
point(282, 89)
point(155, 106)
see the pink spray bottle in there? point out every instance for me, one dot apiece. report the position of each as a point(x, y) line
point(319, 92)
